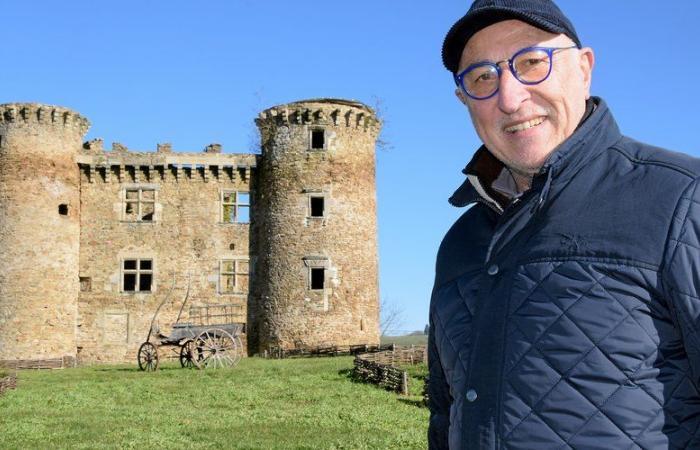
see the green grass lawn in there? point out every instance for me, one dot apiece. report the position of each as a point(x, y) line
point(260, 404)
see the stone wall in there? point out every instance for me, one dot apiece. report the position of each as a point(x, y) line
point(342, 242)
point(39, 231)
point(186, 242)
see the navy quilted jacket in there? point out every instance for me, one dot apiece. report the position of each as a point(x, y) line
point(572, 319)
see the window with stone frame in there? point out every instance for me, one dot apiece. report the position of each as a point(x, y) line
point(317, 278)
point(317, 139)
point(317, 206)
point(235, 206)
point(139, 204)
point(318, 267)
point(137, 275)
point(234, 276)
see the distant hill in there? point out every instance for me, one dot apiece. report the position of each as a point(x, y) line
point(411, 339)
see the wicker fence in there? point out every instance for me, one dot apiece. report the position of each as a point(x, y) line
point(51, 363)
point(384, 368)
point(7, 382)
point(398, 356)
point(324, 350)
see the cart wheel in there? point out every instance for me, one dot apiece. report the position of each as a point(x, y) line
point(187, 355)
point(215, 348)
point(239, 349)
point(148, 357)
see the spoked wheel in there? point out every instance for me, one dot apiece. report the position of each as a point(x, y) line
point(239, 349)
point(148, 357)
point(215, 348)
point(187, 355)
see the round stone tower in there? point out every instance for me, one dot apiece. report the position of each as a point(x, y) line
point(315, 230)
point(39, 232)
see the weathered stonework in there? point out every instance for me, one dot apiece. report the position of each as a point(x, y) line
point(39, 248)
point(67, 226)
point(185, 240)
point(342, 243)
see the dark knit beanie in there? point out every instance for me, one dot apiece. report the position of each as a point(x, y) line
point(543, 14)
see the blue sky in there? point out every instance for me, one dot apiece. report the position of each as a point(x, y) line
point(192, 73)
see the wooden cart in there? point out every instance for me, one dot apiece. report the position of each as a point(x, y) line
point(208, 338)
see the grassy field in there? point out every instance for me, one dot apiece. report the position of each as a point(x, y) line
point(260, 404)
point(418, 339)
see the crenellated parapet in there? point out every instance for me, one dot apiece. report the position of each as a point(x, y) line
point(40, 114)
point(120, 165)
point(321, 112)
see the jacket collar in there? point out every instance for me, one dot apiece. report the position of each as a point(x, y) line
point(593, 136)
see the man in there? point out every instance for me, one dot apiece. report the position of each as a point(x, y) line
point(566, 305)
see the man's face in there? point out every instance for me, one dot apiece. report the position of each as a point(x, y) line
point(522, 124)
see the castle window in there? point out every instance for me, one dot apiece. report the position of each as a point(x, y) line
point(317, 278)
point(317, 266)
point(233, 276)
point(318, 139)
point(139, 204)
point(63, 209)
point(317, 206)
point(137, 275)
point(85, 284)
point(235, 207)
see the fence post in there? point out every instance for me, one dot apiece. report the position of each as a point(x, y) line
point(404, 382)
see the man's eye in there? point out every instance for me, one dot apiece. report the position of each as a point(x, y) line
point(534, 61)
point(484, 77)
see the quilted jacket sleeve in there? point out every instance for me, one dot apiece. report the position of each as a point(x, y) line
point(438, 396)
point(681, 274)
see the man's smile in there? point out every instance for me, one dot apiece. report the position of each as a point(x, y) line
point(525, 125)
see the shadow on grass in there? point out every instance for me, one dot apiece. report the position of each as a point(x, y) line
point(116, 369)
point(416, 403)
point(350, 375)
point(136, 369)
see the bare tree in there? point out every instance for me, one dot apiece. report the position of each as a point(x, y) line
point(380, 110)
point(391, 316)
point(254, 138)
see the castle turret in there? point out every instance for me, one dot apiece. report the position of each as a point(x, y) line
point(316, 278)
point(39, 232)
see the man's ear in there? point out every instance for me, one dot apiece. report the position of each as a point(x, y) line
point(586, 62)
point(460, 95)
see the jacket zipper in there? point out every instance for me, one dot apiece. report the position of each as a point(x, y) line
point(489, 204)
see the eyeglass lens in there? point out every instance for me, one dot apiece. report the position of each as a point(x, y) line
point(530, 67)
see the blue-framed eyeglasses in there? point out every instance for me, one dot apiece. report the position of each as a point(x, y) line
point(530, 65)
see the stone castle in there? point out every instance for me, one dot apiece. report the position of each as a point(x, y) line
point(93, 241)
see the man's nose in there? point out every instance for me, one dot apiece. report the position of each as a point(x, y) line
point(511, 92)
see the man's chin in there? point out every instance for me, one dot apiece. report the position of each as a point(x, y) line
point(532, 165)
point(527, 168)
